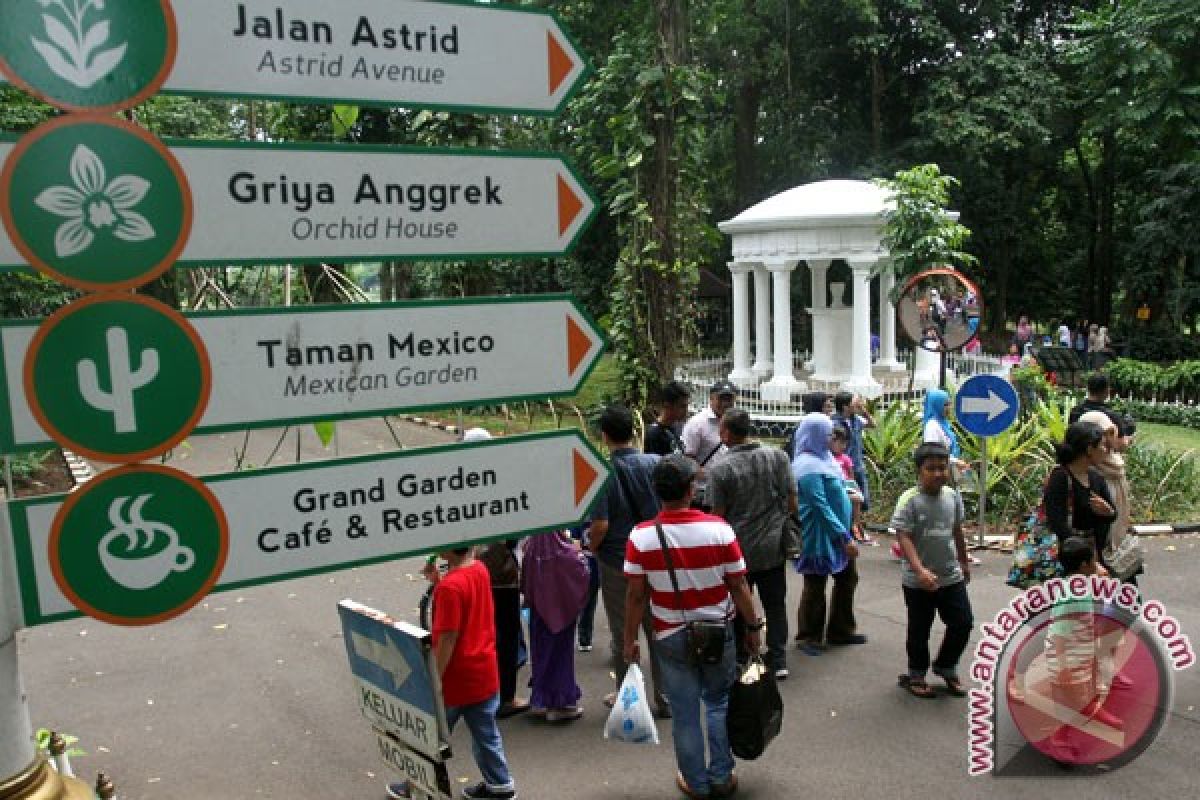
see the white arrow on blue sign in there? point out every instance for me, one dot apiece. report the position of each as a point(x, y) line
point(986, 405)
point(397, 686)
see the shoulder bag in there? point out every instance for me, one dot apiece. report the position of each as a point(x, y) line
point(705, 640)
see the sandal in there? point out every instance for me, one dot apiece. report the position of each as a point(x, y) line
point(954, 686)
point(917, 687)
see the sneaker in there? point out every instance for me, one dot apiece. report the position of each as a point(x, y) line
point(480, 791)
point(564, 714)
point(781, 674)
point(688, 791)
point(399, 790)
point(726, 789)
point(585, 648)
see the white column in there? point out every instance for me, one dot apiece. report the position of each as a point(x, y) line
point(762, 322)
point(818, 274)
point(887, 322)
point(741, 375)
point(783, 383)
point(861, 380)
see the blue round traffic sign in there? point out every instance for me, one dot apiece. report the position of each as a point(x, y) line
point(986, 405)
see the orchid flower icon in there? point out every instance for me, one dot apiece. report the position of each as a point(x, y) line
point(95, 204)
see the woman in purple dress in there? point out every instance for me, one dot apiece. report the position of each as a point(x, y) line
point(554, 579)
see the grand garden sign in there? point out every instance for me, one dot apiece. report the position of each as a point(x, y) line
point(88, 55)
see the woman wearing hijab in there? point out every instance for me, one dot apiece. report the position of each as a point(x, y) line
point(827, 547)
point(936, 427)
point(554, 578)
point(1111, 467)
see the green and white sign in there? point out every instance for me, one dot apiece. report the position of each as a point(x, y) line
point(138, 545)
point(448, 55)
point(95, 202)
point(88, 54)
point(281, 366)
point(310, 518)
point(261, 203)
point(116, 377)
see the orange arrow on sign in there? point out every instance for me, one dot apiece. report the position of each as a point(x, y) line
point(579, 344)
point(569, 205)
point(584, 474)
point(559, 62)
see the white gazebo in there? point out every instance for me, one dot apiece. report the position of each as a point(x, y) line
point(816, 223)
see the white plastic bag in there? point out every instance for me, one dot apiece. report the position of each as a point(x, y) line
point(631, 719)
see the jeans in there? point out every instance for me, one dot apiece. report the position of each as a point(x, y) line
point(772, 593)
point(841, 625)
point(485, 741)
point(687, 685)
point(587, 617)
point(954, 607)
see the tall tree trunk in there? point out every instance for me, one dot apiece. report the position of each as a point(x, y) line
point(747, 101)
point(320, 288)
point(1103, 298)
point(662, 286)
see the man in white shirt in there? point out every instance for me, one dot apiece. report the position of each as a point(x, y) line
point(702, 434)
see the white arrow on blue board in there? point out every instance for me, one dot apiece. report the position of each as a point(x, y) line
point(993, 405)
point(382, 655)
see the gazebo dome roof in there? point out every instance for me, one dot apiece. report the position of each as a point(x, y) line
point(822, 203)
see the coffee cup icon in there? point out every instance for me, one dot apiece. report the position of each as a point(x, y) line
point(132, 552)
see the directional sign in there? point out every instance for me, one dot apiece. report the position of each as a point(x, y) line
point(986, 405)
point(272, 366)
point(117, 377)
point(384, 52)
point(299, 520)
point(420, 772)
point(82, 187)
point(396, 679)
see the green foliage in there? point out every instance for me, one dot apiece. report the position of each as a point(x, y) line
point(25, 466)
point(1162, 482)
point(25, 295)
point(1184, 416)
point(918, 231)
point(1032, 384)
point(1145, 380)
point(42, 738)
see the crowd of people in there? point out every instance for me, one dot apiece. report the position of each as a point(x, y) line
point(689, 529)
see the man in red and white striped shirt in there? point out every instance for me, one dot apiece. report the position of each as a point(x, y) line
point(707, 561)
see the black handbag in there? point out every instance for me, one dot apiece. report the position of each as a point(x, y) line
point(755, 714)
point(705, 640)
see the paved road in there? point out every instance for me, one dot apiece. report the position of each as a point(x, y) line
point(249, 696)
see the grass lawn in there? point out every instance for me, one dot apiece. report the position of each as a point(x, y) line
point(601, 386)
point(1171, 436)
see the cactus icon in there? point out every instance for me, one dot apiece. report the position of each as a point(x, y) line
point(124, 379)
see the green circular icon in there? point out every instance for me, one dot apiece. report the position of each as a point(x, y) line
point(117, 377)
point(95, 202)
point(101, 55)
point(139, 545)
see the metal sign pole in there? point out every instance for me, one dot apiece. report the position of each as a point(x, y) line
point(980, 536)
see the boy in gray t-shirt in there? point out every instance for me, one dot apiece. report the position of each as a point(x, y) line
point(928, 523)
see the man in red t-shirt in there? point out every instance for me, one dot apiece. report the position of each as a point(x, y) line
point(464, 646)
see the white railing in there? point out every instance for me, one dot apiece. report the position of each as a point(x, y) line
point(700, 374)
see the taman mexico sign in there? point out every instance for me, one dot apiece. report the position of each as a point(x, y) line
point(118, 376)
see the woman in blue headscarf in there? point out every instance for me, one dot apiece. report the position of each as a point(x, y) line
point(827, 547)
point(936, 427)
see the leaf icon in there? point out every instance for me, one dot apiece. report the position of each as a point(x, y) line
point(71, 52)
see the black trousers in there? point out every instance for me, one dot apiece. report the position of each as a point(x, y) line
point(507, 606)
point(954, 607)
point(841, 624)
point(772, 593)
